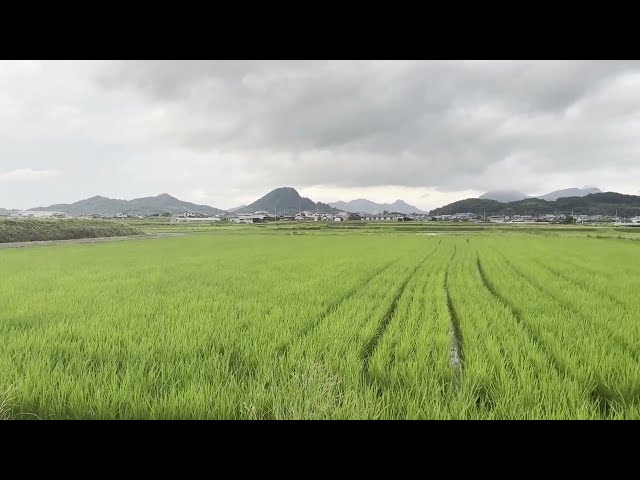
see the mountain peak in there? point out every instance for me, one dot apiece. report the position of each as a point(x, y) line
point(503, 195)
point(290, 190)
point(362, 205)
point(160, 204)
point(506, 196)
point(284, 200)
point(570, 192)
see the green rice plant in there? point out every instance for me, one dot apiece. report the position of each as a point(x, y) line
point(6, 406)
point(335, 322)
point(594, 359)
point(506, 372)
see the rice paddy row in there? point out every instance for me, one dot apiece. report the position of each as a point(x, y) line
point(322, 326)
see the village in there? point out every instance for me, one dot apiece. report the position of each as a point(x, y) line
point(263, 216)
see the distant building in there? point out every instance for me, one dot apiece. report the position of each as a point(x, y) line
point(378, 218)
point(193, 215)
point(251, 218)
point(463, 216)
point(523, 219)
point(341, 217)
point(322, 217)
point(41, 214)
point(180, 219)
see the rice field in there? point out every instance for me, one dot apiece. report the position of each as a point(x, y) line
point(271, 325)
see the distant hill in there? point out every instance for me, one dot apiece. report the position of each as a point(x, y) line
point(503, 195)
point(138, 206)
point(287, 201)
point(362, 205)
point(591, 204)
point(235, 209)
point(3, 211)
point(570, 192)
point(506, 196)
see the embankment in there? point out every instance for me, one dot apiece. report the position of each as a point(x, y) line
point(32, 230)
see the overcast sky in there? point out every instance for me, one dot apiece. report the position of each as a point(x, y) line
point(224, 133)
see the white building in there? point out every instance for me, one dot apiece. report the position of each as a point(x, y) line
point(197, 219)
point(250, 218)
point(322, 217)
point(40, 214)
point(379, 218)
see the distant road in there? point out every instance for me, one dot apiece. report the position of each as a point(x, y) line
point(88, 240)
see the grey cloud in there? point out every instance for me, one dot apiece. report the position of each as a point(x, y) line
point(378, 122)
point(221, 127)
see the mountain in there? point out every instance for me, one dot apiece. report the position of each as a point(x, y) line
point(363, 205)
point(138, 206)
point(4, 211)
point(287, 201)
point(591, 204)
point(235, 209)
point(570, 192)
point(503, 195)
point(506, 196)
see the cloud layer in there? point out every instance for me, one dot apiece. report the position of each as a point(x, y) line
point(224, 132)
point(26, 174)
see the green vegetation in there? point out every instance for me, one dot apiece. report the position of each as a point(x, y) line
point(592, 204)
point(362, 227)
point(30, 230)
point(319, 321)
point(5, 404)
